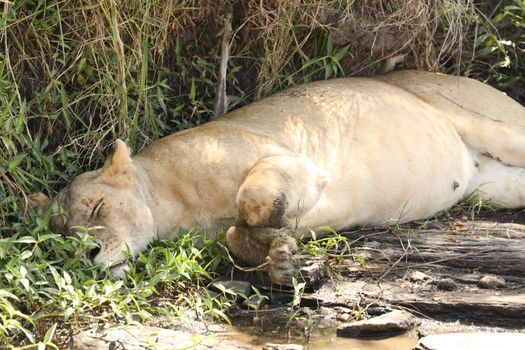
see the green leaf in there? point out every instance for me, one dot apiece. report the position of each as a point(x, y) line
point(26, 254)
point(328, 71)
point(329, 45)
point(26, 239)
point(25, 283)
point(50, 333)
point(340, 53)
point(6, 294)
point(193, 90)
point(16, 160)
point(49, 236)
point(220, 314)
point(69, 311)
point(178, 50)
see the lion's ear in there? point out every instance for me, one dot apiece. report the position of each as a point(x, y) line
point(119, 169)
point(119, 162)
point(39, 200)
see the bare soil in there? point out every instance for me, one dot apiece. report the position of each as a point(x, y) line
point(432, 269)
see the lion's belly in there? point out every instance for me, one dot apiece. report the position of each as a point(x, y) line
point(392, 169)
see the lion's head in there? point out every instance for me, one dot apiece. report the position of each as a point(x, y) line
point(112, 203)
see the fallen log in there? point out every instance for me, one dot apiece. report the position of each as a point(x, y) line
point(485, 247)
point(437, 270)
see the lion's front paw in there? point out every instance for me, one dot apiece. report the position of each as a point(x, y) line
point(282, 272)
point(283, 264)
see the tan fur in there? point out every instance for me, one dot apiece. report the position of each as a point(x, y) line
point(340, 153)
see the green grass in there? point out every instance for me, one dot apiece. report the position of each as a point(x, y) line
point(498, 53)
point(472, 206)
point(75, 75)
point(47, 281)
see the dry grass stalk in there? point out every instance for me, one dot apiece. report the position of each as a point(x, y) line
point(108, 60)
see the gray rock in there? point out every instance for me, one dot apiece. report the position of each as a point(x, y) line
point(491, 282)
point(418, 276)
point(378, 310)
point(392, 323)
point(344, 314)
point(446, 284)
point(143, 337)
point(314, 270)
point(344, 317)
point(327, 311)
point(271, 346)
point(472, 341)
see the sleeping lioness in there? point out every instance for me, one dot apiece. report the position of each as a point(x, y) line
point(338, 153)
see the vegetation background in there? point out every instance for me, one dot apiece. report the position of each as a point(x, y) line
point(76, 74)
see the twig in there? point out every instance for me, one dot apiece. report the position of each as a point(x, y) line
point(221, 101)
point(263, 266)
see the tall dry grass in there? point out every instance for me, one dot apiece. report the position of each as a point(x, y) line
point(92, 70)
point(76, 74)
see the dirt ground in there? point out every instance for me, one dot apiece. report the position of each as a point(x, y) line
point(462, 272)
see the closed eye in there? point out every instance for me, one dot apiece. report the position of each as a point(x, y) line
point(96, 208)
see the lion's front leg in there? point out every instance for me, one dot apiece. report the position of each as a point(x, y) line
point(277, 189)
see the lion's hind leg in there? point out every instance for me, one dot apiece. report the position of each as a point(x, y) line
point(500, 183)
point(276, 192)
point(499, 139)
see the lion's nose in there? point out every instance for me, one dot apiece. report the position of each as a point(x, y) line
point(93, 253)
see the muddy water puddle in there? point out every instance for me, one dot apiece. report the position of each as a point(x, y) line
point(314, 329)
point(328, 341)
